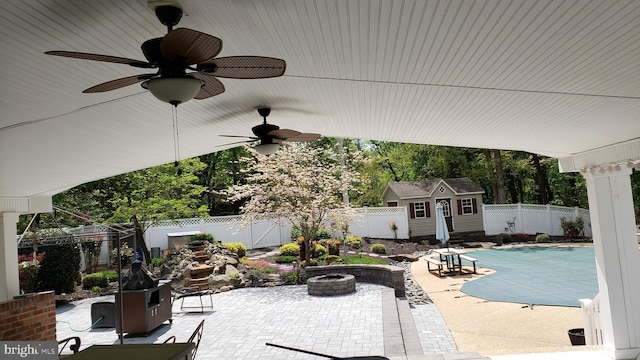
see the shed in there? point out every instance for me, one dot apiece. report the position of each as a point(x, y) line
point(461, 201)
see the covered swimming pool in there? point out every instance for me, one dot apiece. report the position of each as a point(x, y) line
point(541, 275)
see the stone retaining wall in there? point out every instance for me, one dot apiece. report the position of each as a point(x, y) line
point(387, 275)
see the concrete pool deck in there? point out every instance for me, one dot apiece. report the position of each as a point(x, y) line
point(499, 328)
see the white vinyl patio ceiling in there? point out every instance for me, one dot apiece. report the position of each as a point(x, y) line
point(558, 78)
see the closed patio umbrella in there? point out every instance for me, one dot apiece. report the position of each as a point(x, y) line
point(442, 232)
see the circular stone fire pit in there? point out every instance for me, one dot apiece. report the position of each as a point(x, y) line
point(332, 284)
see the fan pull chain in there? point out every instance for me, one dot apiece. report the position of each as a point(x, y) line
point(176, 138)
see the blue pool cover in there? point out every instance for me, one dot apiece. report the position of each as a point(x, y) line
point(536, 275)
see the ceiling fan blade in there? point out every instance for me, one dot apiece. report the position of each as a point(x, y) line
point(283, 133)
point(98, 57)
point(212, 86)
point(244, 67)
point(118, 83)
point(195, 46)
point(304, 137)
point(241, 136)
point(238, 142)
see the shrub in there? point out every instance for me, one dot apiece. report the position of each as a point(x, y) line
point(312, 262)
point(302, 246)
point(502, 238)
point(378, 249)
point(285, 259)
point(324, 233)
point(157, 262)
point(236, 247)
point(333, 246)
point(258, 269)
point(96, 289)
point(319, 251)
point(572, 228)
point(60, 268)
point(353, 241)
point(203, 237)
point(542, 238)
point(290, 277)
point(522, 237)
point(96, 279)
point(28, 271)
point(290, 249)
point(333, 259)
point(111, 275)
point(295, 233)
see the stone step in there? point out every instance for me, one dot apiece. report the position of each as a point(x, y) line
point(201, 271)
point(196, 246)
point(400, 334)
point(201, 258)
point(200, 283)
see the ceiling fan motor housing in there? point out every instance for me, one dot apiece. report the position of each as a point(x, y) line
point(169, 15)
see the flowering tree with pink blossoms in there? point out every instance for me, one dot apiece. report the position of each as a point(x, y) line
point(298, 184)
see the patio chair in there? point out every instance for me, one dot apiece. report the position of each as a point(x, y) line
point(194, 338)
point(196, 288)
point(74, 346)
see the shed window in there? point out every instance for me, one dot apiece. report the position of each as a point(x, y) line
point(392, 203)
point(419, 210)
point(467, 206)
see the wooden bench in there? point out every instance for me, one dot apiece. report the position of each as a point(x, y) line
point(471, 260)
point(435, 262)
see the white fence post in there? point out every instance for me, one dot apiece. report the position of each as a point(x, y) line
point(519, 221)
point(549, 226)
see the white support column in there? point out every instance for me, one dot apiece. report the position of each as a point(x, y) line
point(9, 281)
point(617, 260)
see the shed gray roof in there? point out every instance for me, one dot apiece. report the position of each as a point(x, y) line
point(415, 189)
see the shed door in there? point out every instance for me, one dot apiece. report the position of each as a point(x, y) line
point(446, 209)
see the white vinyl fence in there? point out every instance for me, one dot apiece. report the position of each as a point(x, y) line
point(370, 222)
point(531, 219)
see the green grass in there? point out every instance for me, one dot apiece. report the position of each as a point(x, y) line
point(359, 259)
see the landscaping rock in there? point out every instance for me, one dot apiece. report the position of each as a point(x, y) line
point(404, 257)
point(231, 270)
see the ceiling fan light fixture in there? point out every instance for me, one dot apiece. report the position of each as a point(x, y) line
point(173, 90)
point(267, 149)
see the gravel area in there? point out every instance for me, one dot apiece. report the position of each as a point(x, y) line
point(413, 291)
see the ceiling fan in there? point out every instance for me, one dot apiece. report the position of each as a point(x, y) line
point(186, 62)
point(271, 136)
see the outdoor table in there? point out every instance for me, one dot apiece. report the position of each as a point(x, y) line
point(175, 351)
point(451, 257)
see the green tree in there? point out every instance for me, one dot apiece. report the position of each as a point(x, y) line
point(222, 170)
point(159, 193)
